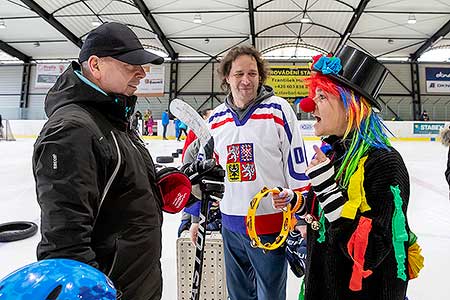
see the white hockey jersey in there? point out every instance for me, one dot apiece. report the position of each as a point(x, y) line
point(265, 148)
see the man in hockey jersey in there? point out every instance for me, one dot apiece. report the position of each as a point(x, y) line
point(359, 242)
point(258, 142)
point(100, 195)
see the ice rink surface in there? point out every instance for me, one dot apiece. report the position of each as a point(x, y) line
point(429, 214)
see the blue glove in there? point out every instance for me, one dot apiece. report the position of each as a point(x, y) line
point(296, 253)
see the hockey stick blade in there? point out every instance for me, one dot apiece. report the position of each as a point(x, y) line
point(195, 122)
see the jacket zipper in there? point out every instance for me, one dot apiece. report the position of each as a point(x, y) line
point(113, 176)
point(116, 254)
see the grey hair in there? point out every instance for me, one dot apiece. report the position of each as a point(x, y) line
point(445, 136)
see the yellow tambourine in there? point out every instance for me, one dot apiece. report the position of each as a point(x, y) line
point(288, 223)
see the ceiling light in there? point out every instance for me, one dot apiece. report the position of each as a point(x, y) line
point(412, 19)
point(390, 41)
point(96, 22)
point(2, 24)
point(305, 19)
point(197, 19)
point(36, 44)
point(206, 41)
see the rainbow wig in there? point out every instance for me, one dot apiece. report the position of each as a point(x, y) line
point(363, 121)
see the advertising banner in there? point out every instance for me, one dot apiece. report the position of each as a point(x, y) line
point(307, 128)
point(428, 127)
point(153, 83)
point(47, 74)
point(287, 81)
point(438, 80)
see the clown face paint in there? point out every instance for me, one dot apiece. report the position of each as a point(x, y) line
point(330, 114)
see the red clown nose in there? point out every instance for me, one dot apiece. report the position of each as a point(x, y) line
point(307, 105)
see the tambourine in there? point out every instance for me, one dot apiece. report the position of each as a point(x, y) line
point(288, 223)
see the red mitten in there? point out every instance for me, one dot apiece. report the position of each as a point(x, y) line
point(175, 188)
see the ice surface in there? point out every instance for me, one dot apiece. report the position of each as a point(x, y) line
point(429, 214)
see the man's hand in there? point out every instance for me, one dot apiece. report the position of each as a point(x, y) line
point(206, 177)
point(193, 232)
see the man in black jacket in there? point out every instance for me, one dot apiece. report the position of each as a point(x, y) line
point(96, 182)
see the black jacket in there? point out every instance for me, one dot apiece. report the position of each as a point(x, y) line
point(329, 266)
point(95, 184)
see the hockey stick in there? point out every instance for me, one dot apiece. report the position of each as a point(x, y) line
point(192, 119)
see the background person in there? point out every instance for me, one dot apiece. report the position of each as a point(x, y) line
point(149, 123)
point(191, 214)
point(182, 129)
point(191, 137)
point(424, 116)
point(165, 122)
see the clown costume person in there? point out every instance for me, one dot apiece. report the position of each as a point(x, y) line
point(359, 242)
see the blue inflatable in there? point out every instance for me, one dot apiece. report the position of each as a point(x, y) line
point(57, 279)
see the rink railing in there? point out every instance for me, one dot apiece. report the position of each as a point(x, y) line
point(402, 130)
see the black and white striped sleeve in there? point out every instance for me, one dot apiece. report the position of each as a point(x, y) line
point(328, 192)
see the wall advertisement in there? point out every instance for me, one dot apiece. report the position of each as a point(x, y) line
point(428, 127)
point(437, 80)
point(47, 74)
point(153, 83)
point(287, 81)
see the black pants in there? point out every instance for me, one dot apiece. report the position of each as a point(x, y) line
point(164, 131)
point(181, 131)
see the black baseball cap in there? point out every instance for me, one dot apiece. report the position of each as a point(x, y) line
point(117, 41)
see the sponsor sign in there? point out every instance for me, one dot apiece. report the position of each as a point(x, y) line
point(47, 74)
point(307, 128)
point(153, 83)
point(438, 80)
point(427, 127)
point(287, 81)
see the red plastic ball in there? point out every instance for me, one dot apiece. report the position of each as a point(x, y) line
point(307, 105)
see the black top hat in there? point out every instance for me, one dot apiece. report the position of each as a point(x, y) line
point(360, 72)
point(118, 41)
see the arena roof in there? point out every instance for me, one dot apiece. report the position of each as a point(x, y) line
point(205, 29)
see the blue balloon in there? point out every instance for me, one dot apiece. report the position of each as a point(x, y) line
point(56, 279)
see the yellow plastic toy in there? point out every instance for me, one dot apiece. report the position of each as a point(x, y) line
point(289, 220)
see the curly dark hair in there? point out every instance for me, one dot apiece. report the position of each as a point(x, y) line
point(225, 65)
point(204, 112)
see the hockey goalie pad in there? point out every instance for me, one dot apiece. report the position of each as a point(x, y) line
point(175, 188)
